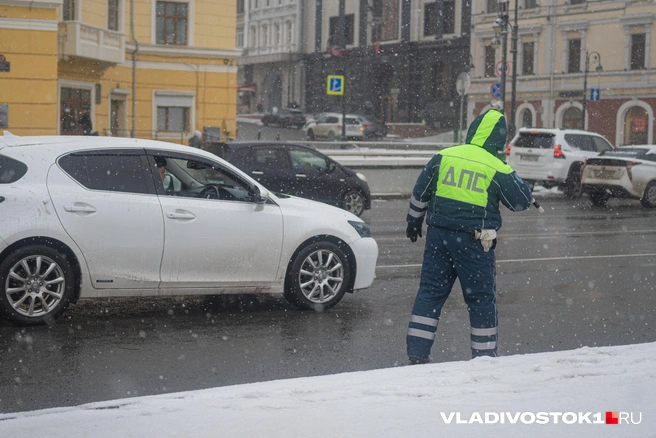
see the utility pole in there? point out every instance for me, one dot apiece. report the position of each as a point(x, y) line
point(342, 46)
point(513, 99)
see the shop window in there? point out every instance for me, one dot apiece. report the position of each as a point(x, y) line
point(171, 26)
point(636, 125)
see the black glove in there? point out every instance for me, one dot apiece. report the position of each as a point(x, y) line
point(412, 233)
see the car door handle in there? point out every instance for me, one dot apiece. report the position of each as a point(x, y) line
point(301, 175)
point(180, 214)
point(257, 172)
point(79, 208)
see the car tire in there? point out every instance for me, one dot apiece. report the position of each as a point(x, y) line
point(649, 197)
point(331, 136)
point(318, 276)
point(573, 188)
point(37, 284)
point(599, 198)
point(354, 202)
point(310, 134)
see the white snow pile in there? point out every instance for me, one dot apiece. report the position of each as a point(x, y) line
point(564, 394)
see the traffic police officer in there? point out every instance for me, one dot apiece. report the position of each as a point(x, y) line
point(458, 193)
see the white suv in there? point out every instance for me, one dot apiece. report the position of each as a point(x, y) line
point(554, 157)
point(329, 125)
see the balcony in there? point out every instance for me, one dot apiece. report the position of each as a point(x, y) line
point(89, 42)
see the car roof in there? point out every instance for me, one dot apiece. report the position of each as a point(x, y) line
point(252, 143)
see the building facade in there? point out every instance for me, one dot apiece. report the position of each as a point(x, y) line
point(156, 69)
point(557, 42)
point(401, 61)
point(270, 34)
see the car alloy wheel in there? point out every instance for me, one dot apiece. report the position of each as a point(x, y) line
point(319, 276)
point(37, 285)
point(353, 202)
point(649, 198)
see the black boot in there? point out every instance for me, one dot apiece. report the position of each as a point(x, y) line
point(414, 360)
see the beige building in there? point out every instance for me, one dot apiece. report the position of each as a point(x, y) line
point(556, 40)
point(143, 68)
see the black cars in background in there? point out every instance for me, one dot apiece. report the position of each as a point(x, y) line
point(287, 117)
point(298, 170)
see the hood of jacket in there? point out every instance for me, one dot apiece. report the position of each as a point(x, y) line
point(488, 131)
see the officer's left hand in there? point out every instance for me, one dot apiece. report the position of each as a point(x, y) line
point(412, 233)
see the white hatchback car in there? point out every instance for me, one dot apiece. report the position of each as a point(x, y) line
point(626, 172)
point(329, 126)
point(86, 217)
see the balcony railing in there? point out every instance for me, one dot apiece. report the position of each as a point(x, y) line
point(90, 42)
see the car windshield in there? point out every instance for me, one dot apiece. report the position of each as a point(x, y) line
point(626, 153)
point(530, 140)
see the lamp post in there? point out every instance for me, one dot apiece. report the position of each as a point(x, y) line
point(513, 99)
point(500, 27)
point(596, 57)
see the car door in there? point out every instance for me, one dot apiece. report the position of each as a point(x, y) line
point(315, 177)
point(106, 202)
point(215, 234)
point(270, 167)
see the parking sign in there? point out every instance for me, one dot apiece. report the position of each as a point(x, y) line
point(335, 85)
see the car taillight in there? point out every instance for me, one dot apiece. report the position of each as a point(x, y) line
point(367, 124)
point(339, 126)
point(630, 165)
point(558, 152)
point(508, 148)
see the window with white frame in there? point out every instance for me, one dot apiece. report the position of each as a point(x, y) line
point(173, 111)
point(637, 60)
point(528, 56)
point(574, 55)
point(239, 42)
point(112, 14)
point(171, 23)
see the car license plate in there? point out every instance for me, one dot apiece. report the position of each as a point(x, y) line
point(604, 174)
point(528, 158)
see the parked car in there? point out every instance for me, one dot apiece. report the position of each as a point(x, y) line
point(300, 171)
point(626, 172)
point(90, 217)
point(373, 127)
point(329, 126)
point(287, 117)
point(554, 157)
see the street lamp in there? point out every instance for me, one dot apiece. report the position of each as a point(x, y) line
point(596, 57)
point(500, 27)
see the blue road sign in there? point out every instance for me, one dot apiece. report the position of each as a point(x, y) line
point(595, 94)
point(495, 89)
point(335, 85)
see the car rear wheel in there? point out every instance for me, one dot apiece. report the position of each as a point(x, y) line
point(649, 198)
point(318, 276)
point(573, 188)
point(37, 285)
point(310, 134)
point(599, 198)
point(353, 202)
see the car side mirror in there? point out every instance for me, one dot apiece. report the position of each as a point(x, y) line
point(259, 197)
point(331, 167)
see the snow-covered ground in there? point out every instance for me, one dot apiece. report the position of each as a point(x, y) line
point(557, 394)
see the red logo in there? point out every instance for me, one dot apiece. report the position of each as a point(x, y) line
point(612, 418)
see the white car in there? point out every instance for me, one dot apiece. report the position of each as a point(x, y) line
point(626, 172)
point(87, 217)
point(329, 126)
point(554, 157)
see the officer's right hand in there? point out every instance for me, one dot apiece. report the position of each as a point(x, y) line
point(412, 233)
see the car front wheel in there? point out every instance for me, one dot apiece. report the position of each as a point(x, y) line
point(649, 198)
point(310, 134)
point(37, 285)
point(318, 277)
point(353, 202)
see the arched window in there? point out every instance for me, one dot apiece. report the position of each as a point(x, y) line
point(572, 118)
point(636, 126)
point(527, 118)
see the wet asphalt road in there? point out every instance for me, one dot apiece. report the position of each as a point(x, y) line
point(573, 276)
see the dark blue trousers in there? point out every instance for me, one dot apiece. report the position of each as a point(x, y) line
point(449, 255)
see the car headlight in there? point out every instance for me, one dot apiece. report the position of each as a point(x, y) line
point(361, 176)
point(362, 228)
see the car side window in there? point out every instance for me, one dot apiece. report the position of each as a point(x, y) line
point(582, 142)
point(601, 144)
point(108, 171)
point(332, 119)
point(269, 159)
point(322, 119)
point(305, 161)
point(11, 170)
point(650, 157)
point(195, 177)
